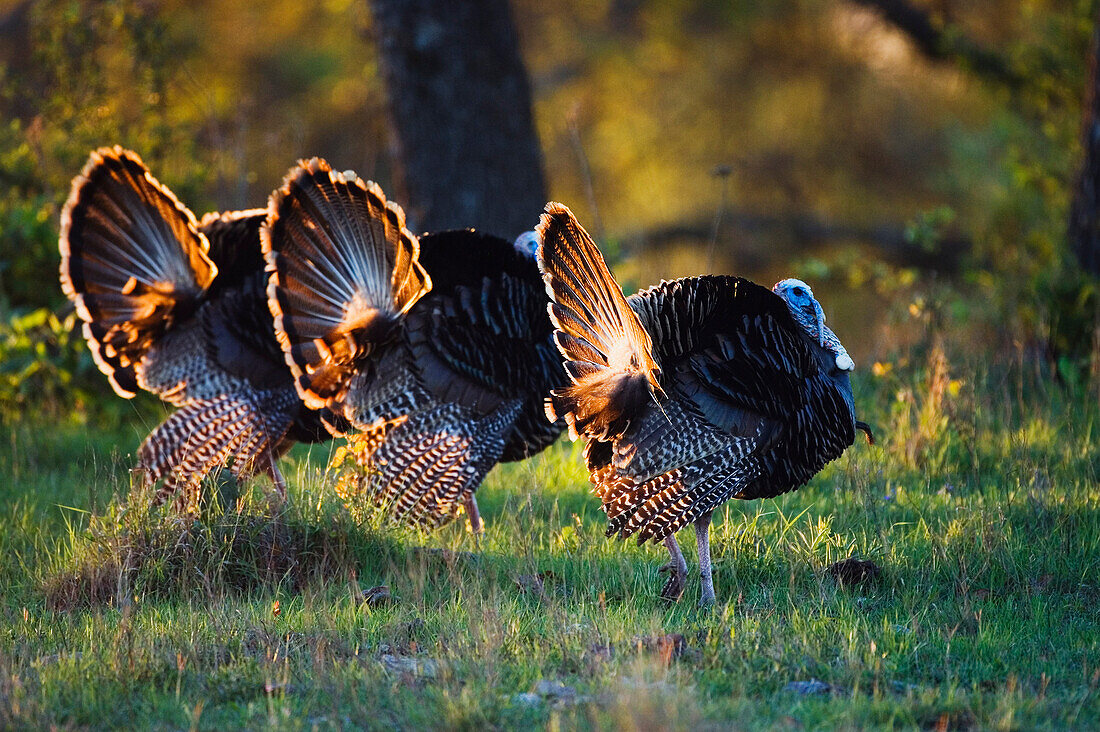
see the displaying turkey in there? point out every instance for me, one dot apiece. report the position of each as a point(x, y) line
point(690, 393)
point(178, 307)
point(441, 355)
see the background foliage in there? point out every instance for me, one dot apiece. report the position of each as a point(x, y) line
point(846, 154)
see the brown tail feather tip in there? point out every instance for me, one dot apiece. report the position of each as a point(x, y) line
point(586, 301)
point(550, 409)
point(553, 210)
point(556, 213)
point(320, 168)
point(127, 280)
point(104, 157)
point(361, 307)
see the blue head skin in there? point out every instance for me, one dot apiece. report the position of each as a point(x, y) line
point(527, 244)
point(807, 312)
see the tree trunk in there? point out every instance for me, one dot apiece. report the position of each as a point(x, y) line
point(945, 43)
point(460, 109)
point(1084, 221)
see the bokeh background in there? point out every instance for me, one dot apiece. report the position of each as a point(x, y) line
point(914, 161)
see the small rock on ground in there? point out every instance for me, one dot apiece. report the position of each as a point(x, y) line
point(527, 699)
point(854, 571)
point(533, 584)
point(377, 596)
point(423, 668)
point(554, 693)
point(555, 690)
point(807, 688)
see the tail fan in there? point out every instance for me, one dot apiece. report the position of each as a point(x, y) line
point(132, 260)
point(607, 351)
point(203, 436)
point(343, 271)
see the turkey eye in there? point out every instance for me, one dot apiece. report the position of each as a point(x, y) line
point(798, 292)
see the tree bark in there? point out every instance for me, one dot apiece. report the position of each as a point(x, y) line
point(940, 43)
point(804, 232)
point(1084, 220)
point(460, 108)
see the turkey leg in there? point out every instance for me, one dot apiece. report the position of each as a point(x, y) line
point(677, 570)
point(706, 573)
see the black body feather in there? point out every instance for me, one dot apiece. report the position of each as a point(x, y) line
point(744, 405)
point(455, 384)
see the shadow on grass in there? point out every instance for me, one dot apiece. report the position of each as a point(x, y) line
point(129, 552)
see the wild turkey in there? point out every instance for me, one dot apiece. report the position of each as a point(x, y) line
point(442, 356)
point(691, 392)
point(177, 307)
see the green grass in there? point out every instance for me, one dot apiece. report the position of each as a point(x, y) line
point(980, 505)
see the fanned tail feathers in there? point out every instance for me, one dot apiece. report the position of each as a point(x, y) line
point(202, 436)
point(343, 271)
point(132, 260)
point(607, 351)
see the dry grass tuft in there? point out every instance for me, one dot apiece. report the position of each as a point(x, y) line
point(132, 553)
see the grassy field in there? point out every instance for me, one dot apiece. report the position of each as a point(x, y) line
point(979, 504)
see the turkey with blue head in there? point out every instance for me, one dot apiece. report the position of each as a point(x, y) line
point(691, 392)
point(442, 385)
point(177, 306)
